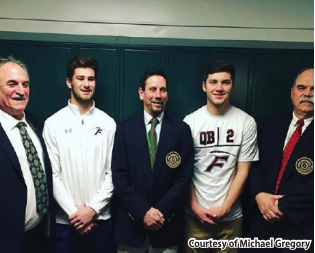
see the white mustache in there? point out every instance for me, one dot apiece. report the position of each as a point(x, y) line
point(311, 100)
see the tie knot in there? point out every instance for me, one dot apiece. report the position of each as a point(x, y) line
point(21, 125)
point(154, 122)
point(300, 123)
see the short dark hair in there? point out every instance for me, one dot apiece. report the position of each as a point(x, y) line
point(299, 73)
point(151, 72)
point(81, 61)
point(219, 65)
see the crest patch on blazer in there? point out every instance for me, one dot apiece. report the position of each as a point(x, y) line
point(173, 159)
point(304, 165)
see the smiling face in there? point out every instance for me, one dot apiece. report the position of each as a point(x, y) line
point(302, 95)
point(218, 88)
point(82, 86)
point(14, 89)
point(155, 95)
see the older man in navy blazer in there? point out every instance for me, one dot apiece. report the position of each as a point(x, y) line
point(23, 221)
point(283, 183)
point(152, 167)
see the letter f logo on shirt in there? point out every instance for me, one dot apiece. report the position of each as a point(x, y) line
point(216, 162)
point(98, 131)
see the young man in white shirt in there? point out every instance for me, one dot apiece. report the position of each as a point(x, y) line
point(225, 145)
point(79, 139)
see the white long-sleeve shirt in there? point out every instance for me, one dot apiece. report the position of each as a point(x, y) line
point(80, 150)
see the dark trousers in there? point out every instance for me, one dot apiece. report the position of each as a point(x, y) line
point(68, 240)
point(284, 229)
point(34, 241)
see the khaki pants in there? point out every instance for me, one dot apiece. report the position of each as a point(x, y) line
point(225, 230)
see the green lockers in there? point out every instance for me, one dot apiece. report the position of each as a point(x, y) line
point(275, 75)
point(107, 81)
point(262, 85)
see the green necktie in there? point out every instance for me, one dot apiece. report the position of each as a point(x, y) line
point(38, 175)
point(153, 140)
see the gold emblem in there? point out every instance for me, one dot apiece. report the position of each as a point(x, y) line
point(304, 165)
point(173, 159)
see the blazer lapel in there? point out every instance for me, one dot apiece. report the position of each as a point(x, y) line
point(7, 147)
point(166, 137)
point(138, 135)
point(304, 140)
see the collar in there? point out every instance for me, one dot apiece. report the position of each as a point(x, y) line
point(219, 115)
point(148, 117)
point(306, 121)
point(9, 122)
point(76, 110)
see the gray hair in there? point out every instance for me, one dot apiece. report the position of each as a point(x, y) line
point(300, 72)
point(11, 59)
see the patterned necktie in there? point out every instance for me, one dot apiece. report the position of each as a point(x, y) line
point(38, 175)
point(153, 140)
point(288, 150)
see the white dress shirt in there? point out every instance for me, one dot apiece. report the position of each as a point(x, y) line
point(293, 125)
point(147, 119)
point(32, 218)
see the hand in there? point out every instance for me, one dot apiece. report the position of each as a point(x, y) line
point(219, 212)
point(205, 216)
point(82, 217)
point(153, 220)
point(88, 228)
point(268, 206)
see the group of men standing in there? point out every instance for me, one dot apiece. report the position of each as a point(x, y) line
point(173, 180)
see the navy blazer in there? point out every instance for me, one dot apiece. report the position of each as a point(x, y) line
point(138, 188)
point(13, 193)
point(297, 188)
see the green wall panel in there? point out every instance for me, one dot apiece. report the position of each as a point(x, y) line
point(186, 68)
point(49, 91)
point(276, 73)
point(18, 51)
point(107, 80)
point(135, 62)
point(262, 88)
